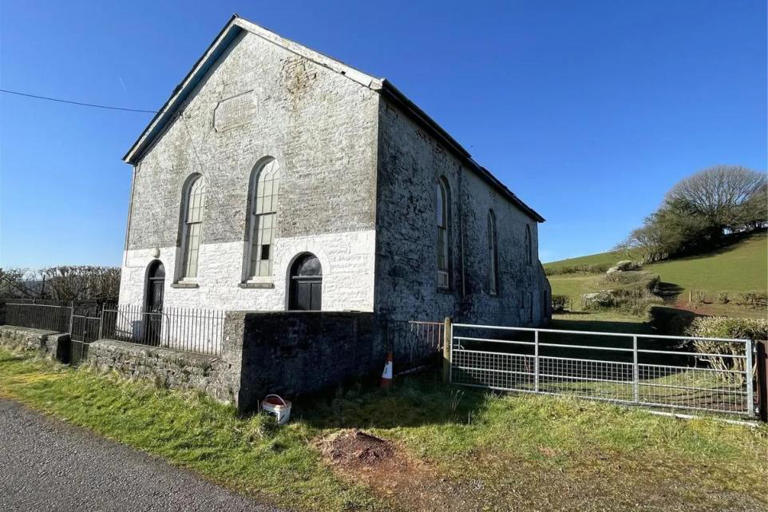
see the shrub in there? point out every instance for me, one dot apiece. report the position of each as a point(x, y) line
point(722, 298)
point(598, 300)
point(699, 297)
point(754, 299)
point(722, 327)
point(671, 321)
point(560, 303)
point(577, 269)
point(624, 266)
point(631, 291)
point(634, 283)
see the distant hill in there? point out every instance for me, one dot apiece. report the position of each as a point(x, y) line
point(592, 263)
point(740, 267)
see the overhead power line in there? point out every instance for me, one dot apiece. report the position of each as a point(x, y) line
point(79, 103)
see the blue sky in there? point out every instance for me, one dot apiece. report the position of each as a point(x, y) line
point(588, 110)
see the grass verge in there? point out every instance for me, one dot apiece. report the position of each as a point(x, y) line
point(460, 449)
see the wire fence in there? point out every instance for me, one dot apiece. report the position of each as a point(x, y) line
point(649, 370)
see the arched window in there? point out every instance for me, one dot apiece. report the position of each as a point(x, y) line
point(192, 225)
point(262, 219)
point(528, 245)
point(493, 255)
point(443, 229)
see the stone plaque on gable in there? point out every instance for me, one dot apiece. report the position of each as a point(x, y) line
point(234, 111)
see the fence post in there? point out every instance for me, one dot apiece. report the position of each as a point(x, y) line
point(748, 378)
point(447, 335)
point(71, 315)
point(762, 379)
point(101, 320)
point(635, 371)
point(536, 360)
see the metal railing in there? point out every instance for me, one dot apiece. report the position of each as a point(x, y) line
point(188, 329)
point(641, 369)
point(38, 316)
point(193, 330)
point(413, 341)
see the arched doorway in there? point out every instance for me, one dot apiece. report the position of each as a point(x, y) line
point(153, 318)
point(306, 284)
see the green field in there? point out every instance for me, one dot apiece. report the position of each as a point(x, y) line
point(740, 267)
point(602, 258)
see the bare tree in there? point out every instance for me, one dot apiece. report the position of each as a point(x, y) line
point(78, 283)
point(17, 282)
point(720, 193)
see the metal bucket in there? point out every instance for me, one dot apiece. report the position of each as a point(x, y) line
point(281, 408)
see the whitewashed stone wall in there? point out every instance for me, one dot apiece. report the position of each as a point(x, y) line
point(262, 100)
point(348, 273)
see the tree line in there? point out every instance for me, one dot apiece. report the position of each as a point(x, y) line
point(63, 283)
point(704, 211)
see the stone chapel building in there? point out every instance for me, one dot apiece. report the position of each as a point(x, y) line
point(276, 178)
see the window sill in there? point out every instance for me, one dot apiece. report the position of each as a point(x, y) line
point(182, 284)
point(256, 285)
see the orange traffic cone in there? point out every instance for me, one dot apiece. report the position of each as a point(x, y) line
point(386, 375)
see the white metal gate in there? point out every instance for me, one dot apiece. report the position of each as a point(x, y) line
point(699, 374)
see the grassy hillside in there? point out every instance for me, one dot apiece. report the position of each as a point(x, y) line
point(605, 259)
point(738, 268)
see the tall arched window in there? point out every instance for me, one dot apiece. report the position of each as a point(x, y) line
point(262, 219)
point(528, 245)
point(443, 228)
point(192, 225)
point(493, 255)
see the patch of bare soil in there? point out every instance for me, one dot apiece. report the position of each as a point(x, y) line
point(353, 449)
point(407, 483)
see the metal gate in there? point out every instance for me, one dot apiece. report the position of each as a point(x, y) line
point(674, 372)
point(83, 330)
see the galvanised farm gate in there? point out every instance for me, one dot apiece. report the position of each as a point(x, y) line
point(672, 372)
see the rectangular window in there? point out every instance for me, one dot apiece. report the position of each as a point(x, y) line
point(193, 249)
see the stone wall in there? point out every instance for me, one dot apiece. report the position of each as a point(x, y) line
point(212, 375)
point(262, 100)
point(411, 162)
point(295, 353)
point(49, 344)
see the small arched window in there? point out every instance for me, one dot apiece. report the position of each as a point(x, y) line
point(443, 223)
point(493, 255)
point(528, 245)
point(262, 219)
point(192, 225)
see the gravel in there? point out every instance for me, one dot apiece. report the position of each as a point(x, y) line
point(48, 465)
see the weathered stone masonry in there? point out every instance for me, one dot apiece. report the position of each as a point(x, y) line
point(359, 166)
point(319, 125)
